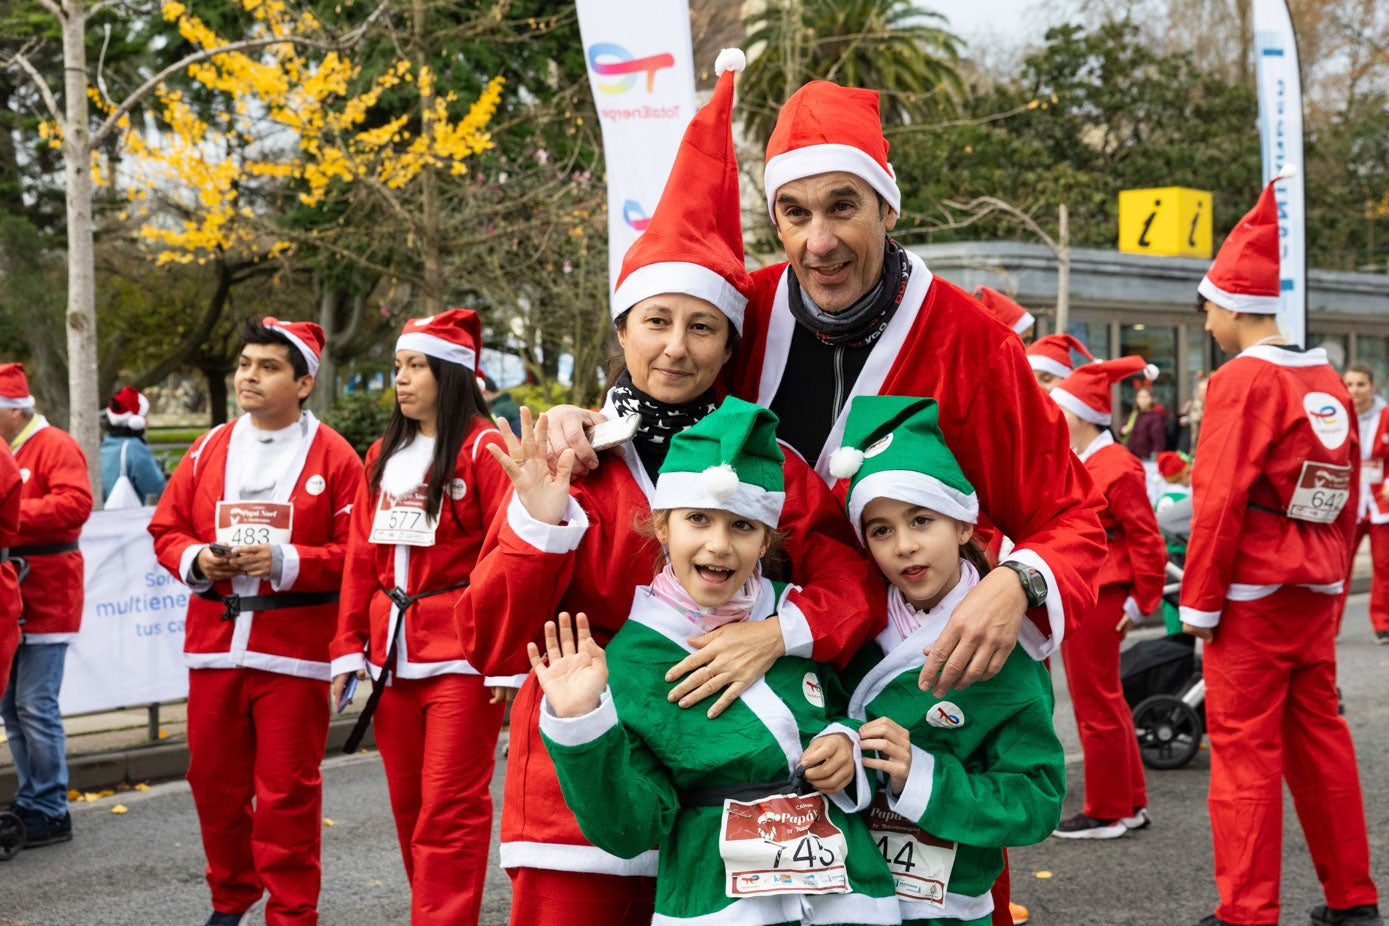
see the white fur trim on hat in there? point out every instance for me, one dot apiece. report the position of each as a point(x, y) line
point(1026, 321)
point(845, 462)
point(1042, 364)
point(309, 356)
point(1078, 408)
point(135, 420)
point(730, 59)
point(799, 163)
point(7, 402)
point(681, 277)
point(914, 488)
point(692, 490)
point(1238, 302)
point(432, 346)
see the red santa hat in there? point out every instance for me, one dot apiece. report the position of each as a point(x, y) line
point(824, 128)
point(1087, 392)
point(454, 335)
point(306, 337)
point(694, 242)
point(128, 409)
point(1244, 277)
point(1052, 354)
point(1005, 309)
point(14, 387)
point(1170, 463)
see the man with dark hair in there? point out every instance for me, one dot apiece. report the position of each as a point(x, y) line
point(56, 501)
point(1372, 414)
point(255, 522)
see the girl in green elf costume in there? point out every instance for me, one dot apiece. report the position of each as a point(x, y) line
point(969, 774)
point(754, 810)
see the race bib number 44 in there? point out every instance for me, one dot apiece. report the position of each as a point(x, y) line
point(1322, 491)
point(403, 519)
point(248, 524)
point(782, 845)
point(920, 863)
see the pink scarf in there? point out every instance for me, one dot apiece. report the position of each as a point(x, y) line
point(668, 590)
point(907, 620)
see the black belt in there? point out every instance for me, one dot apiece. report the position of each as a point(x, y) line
point(1255, 506)
point(403, 603)
point(235, 604)
point(48, 549)
point(4, 555)
point(754, 791)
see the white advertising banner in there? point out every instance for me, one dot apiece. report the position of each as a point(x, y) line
point(130, 650)
point(1280, 133)
point(641, 69)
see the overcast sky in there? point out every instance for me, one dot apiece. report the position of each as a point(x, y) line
point(1009, 21)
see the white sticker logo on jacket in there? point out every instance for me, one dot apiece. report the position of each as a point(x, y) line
point(878, 447)
point(947, 715)
point(457, 489)
point(315, 485)
point(810, 685)
point(24, 474)
point(1329, 420)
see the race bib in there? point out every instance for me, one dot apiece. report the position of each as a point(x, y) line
point(782, 845)
point(247, 524)
point(1321, 493)
point(1372, 472)
point(920, 863)
point(402, 519)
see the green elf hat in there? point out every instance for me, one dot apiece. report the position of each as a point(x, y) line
point(893, 448)
point(728, 461)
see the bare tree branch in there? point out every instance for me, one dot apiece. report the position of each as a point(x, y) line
point(21, 59)
point(53, 8)
point(981, 207)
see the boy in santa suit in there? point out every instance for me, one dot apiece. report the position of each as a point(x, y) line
point(55, 501)
point(1021, 321)
point(1372, 413)
point(1131, 578)
point(255, 521)
point(1275, 496)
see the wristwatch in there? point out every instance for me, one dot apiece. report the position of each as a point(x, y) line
point(1034, 584)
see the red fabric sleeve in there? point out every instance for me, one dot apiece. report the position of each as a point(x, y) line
point(359, 575)
point(172, 526)
point(321, 566)
point(56, 513)
point(1128, 503)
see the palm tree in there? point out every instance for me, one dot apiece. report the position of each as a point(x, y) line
point(890, 46)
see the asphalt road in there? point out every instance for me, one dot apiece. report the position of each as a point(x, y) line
point(144, 867)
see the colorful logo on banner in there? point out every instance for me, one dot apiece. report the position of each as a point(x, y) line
point(635, 216)
point(608, 59)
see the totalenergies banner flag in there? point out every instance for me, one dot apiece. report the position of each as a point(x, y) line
point(1280, 131)
point(641, 68)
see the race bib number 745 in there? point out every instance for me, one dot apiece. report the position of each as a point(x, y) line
point(782, 845)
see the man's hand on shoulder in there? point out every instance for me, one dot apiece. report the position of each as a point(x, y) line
point(977, 639)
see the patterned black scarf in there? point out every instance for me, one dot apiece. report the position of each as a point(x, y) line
point(863, 322)
point(660, 421)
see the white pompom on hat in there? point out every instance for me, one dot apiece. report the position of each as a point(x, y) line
point(128, 409)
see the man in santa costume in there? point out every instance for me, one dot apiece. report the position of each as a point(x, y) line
point(1130, 586)
point(255, 522)
point(1275, 486)
point(55, 502)
point(1021, 321)
point(1052, 358)
point(1372, 413)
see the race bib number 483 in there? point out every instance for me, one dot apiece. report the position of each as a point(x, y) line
point(1322, 491)
point(782, 845)
point(248, 524)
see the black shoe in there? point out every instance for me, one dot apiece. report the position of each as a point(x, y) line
point(1082, 827)
point(1365, 914)
point(1213, 920)
point(43, 830)
point(1382, 637)
point(219, 918)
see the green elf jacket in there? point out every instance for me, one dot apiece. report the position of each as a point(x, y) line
point(624, 766)
point(987, 770)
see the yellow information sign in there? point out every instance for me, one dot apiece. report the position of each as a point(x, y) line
point(1170, 221)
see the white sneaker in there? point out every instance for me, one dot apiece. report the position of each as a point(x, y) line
point(1141, 819)
point(1082, 827)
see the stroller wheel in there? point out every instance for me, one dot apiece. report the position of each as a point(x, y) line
point(1169, 731)
point(11, 836)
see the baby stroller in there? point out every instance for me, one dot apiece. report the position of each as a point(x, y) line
point(1162, 678)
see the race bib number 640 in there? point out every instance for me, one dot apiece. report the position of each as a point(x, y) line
point(782, 845)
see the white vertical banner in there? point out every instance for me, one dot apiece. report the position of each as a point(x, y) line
point(641, 69)
point(1280, 134)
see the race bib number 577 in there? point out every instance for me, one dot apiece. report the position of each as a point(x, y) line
point(782, 845)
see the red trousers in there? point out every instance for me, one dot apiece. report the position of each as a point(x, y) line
point(255, 741)
point(1271, 714)
point(438, 740)
point(1114, 782)
point(1379, 578)
point(546, 897)
point(1002, 915)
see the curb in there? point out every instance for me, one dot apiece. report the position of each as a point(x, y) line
point(155, 762)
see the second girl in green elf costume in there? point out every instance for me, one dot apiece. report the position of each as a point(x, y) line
point(980, 769)
point(753, 810)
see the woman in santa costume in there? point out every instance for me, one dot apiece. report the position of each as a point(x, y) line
point(1372, 415)
point(421, 512)
point(678, 311)
point(960, 778)
point(1131, 579)
point(255, 522)
point(753, 810)
point(1274, 488)
point(1052, 358)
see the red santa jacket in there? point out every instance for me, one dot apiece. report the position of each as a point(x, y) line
point(1278, 445)
point(1374, 452)
point(1009, 438)
point(320, 485)
point(10, 487)
point(367, 618)
point(594, 563)
point(1137, 556)
point(56, 501)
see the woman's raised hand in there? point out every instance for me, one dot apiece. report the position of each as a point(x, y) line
point(574, 670)
point(545, 495)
